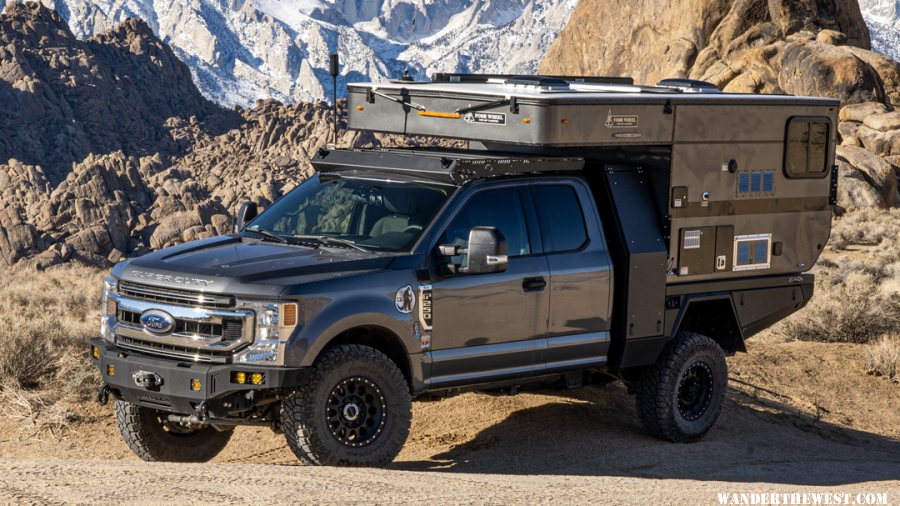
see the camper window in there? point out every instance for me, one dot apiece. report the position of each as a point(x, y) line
point(806, 147)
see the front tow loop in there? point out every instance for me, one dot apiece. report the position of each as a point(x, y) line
point(103, 395)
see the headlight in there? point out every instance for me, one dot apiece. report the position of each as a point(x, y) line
point(108, 308)
point(274, 323)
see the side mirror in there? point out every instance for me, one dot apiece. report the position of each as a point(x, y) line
point(246, 213)
point(487, 251)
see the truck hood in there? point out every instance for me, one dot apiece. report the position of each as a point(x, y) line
point(245, 266)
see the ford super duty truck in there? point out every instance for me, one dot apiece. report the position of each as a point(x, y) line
point(594, 230)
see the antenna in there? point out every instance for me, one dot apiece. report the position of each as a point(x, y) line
point(334, 68)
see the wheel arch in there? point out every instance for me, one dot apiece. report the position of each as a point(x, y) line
point(379, 338)
point(713, 316)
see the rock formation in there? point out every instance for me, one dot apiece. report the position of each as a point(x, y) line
point(798, 47)
point(767, 46)
point(107, 148)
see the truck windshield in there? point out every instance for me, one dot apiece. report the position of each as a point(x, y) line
point(378, 215)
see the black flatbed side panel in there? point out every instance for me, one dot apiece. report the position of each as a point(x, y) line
point(639, 259)
point(758, 302)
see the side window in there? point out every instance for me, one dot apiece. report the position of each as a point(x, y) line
point(491, 208)
point(560, 217)
point(806, 147)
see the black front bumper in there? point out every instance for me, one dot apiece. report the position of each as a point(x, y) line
point(175, 391)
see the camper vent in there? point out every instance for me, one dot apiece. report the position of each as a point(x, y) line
point(692, 239)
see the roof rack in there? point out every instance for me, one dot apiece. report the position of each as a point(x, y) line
point(455, 167)
point(441, 77)
point(689, 85)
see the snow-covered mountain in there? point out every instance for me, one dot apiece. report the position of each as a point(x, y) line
point(883, 18)
point(242, 50)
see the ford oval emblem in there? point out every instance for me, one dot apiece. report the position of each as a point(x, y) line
point(157, 322)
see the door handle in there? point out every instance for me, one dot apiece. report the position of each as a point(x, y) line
point(534, 284)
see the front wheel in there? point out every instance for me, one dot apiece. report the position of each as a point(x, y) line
point(154, 439)
point(679, 397)
point(353, 409)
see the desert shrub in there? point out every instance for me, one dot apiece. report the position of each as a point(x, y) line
point(47, 319)
point(883, 357)
point(25, 359)
point(848, 306)
point(866, 226)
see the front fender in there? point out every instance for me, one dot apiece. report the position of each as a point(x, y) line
point(337, 317)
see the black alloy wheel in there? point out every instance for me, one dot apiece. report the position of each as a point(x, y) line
point(356, 412)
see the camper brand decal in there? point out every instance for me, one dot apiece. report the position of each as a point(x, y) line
point(405, 300)
point(621, 121)
point(425, 306)
point(486, 118)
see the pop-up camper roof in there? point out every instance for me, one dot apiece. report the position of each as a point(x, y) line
point(540, 110)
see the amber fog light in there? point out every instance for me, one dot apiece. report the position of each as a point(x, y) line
point(110, 370)
point(196, 385)
point(239, 377)
point(257, 378)
point(95, 352)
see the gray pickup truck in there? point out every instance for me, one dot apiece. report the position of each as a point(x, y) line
point(594, 231)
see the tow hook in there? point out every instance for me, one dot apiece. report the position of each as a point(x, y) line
point(103, 395)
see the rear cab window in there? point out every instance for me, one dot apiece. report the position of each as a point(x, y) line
point(560, 217)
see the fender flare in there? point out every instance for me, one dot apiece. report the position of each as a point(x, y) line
point(338, 317)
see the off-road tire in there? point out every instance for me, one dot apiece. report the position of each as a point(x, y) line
point(658, 387)
point(149, 439)
point(305, 411)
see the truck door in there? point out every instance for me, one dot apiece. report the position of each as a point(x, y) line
point(491, 326)
point(580, 275)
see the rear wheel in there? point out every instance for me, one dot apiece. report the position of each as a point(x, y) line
point(679, 398)
point(154, 439)
point(354, 409)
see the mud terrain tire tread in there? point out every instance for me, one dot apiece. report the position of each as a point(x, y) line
point(312, 443)
point(149, 441)
point(656, 388)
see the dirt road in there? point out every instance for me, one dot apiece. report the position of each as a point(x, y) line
point(576, 447)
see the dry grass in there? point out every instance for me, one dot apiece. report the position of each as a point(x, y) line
point(46, 321)
point(35, 412)
point(883, 357)
point(848, 307)
point(866, 227)
point(857, 297)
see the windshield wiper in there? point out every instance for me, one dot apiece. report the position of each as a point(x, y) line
point(269, 235)
point(328, 239)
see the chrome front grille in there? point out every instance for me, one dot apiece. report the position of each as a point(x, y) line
point(199, 334)
point(174, 296)
point(229, 329)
